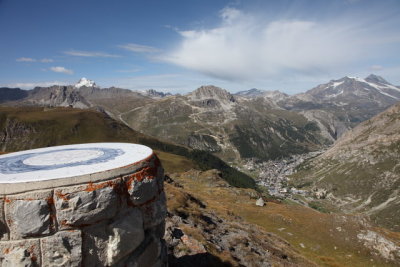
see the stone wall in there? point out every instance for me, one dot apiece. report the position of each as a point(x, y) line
point(113, 220)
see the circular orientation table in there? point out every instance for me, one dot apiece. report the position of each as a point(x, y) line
point(96, 204)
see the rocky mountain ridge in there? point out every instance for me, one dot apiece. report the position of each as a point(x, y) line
point(212, 119)
point(252, 124)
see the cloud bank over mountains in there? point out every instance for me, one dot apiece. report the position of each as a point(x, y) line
point(246, 46)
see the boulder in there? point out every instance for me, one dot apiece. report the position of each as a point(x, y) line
point(260, 202)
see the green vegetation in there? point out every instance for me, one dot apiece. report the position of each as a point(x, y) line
point(317, 206)
point(28, 127)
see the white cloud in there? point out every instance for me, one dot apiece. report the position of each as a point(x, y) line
point(89, 54)
point(247, 47)
point(46, 60)
point(61, 70)
point(25, 59)
point(30, 85)
point(139, 48)
point(29, 59)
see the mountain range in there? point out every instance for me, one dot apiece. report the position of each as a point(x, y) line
point(249, 124)
point(358, 175)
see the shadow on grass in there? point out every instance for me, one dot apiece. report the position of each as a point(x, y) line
point(197, 260)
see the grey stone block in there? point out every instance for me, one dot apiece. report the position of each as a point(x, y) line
point(62, 249)
point(127, 235)
point(143, 191)
point(94, 246)
point(144, 185)
point(29, 214)
point(20, 253)
point(86, 204)
point(106, 244)
point(154, 213)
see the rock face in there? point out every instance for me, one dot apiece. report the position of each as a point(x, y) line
point(231, 126)
point(116, 219)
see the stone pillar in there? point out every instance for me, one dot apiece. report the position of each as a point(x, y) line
point(100, 204)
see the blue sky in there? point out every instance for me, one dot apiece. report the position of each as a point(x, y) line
point(178, 46)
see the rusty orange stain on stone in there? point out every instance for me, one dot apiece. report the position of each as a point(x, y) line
point(31, 251)
point(7, 250)
point(61, 195)
point(92, 187)
point(7, 200)
point(147, 172)
point(50, 201)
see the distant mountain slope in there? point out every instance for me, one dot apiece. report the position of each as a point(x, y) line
point(84, 94)
point(249, 124)
point(254, 92)
point(361, 172)
point(339, 105)
point(11, 94)
point(32, 127)
point(212, 119)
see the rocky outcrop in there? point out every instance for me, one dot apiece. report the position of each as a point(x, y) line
point(380, 245)
point(118, 221)
point(211, 92)
point(155, 94)
point(57, 96)
point(13, 134)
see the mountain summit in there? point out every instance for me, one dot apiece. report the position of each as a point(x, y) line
point(355, 89)
point(85, 82)
point(376, 79)
point(211, 92)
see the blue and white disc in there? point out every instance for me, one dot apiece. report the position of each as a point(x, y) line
point(68, 161)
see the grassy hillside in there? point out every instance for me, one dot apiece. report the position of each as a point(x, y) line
point(32, 127)
point(231, 130)
point(361, 172)
point(322, 238)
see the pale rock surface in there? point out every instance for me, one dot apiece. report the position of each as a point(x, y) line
point(29, 207)
point(80, 205)
point(260, 202)
point(383, 247)
point(20, 253)
point(127, 234)
point(95, 241)
point(62, 249)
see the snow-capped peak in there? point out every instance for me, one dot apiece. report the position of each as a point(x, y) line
point(85, 82)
